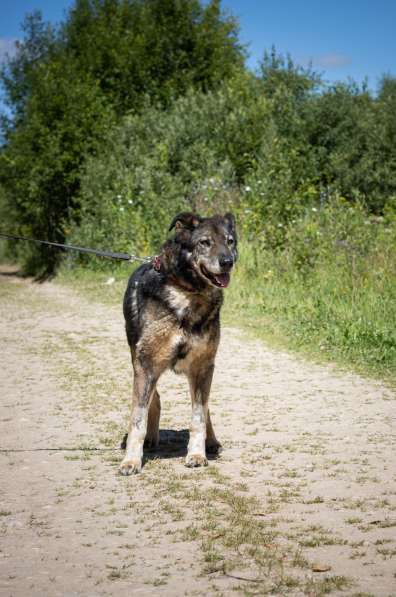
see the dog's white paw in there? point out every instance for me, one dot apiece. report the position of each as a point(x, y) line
point(130, 467)
point(195, 460)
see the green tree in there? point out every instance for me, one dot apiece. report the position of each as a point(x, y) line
point(384, 142)
point(18, 74)
point(347, 137)
point(67, 86)
point(65, 118)
point(157, 48)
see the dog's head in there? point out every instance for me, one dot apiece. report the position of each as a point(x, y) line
point(209, 245)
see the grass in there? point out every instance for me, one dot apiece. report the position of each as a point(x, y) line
point(341, 310)
point(93, 283)
point(235, 540)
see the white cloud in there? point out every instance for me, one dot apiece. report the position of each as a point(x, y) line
point(7, 46)
point(331, 60)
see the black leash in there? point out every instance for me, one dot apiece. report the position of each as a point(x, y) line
point(108, 254)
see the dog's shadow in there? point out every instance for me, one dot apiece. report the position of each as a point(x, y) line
point(172, 444)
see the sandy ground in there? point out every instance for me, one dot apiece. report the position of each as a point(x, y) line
point(300, 502)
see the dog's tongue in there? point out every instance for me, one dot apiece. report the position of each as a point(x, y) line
point(222, 279)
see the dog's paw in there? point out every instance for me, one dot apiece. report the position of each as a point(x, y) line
point(130, 467)
point(194, 460)
point(213, 447)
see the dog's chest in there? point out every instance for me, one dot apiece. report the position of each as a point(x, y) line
point(179, 301)
point(189, 308)
point(190, 350)
point(197, 331)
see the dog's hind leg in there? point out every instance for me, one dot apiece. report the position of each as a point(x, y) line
point(200, 382)
point(143, 391)
point(213, 446)
point(154, 413)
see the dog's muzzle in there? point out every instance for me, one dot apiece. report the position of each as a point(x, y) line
point(220, 280)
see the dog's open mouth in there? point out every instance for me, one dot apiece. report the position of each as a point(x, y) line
point(219, 280)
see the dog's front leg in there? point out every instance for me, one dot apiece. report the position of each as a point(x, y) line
point(200, 381)
point(143, 391)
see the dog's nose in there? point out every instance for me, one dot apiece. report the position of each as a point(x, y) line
point(226, 262)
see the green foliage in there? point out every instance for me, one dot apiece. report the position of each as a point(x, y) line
point(342, 113)
point(18, 74)
point(66, 87)
point(155, 48)
point(330, 288)
point(64, 118)
point(160, 162)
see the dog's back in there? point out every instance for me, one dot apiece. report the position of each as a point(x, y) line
point(142, 284)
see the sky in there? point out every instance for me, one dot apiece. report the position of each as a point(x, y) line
point(341, 38)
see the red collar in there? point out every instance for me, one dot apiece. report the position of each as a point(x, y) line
point(157, 262)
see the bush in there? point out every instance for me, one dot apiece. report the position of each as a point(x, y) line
point(162, 162)
point(331, 286)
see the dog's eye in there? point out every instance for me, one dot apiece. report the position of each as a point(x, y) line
point(230, 240)
point(205, 242)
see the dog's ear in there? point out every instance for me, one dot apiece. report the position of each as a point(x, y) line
point(230, 219)
point(186, 220)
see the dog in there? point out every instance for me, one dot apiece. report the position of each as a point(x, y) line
point(172, 316)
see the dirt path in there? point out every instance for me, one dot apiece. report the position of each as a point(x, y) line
point(301, 502)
